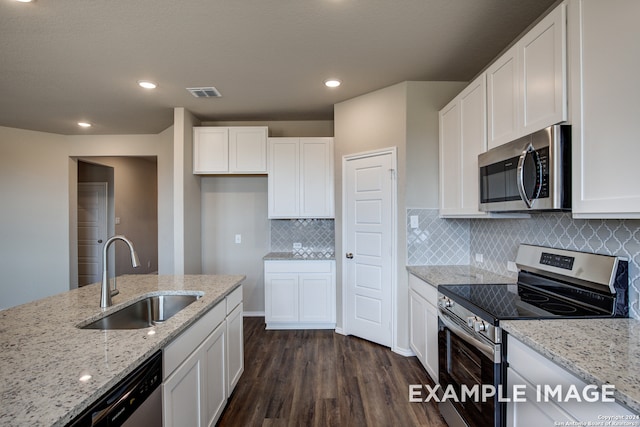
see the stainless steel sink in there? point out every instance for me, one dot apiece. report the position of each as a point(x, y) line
point(144, 313)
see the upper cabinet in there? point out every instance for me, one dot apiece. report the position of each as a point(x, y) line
point(527, 86)
point(604, 58)
point(230, 150)
point(463, 135)
point(300, 182)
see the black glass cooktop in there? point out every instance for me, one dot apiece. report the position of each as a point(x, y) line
point(520, 301)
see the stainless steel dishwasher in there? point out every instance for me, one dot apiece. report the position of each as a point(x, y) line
point(134, 402)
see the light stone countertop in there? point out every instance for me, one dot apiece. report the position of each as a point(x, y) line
point(599, 351)
point(43, 353)
point(437, 275)
point(290, 256)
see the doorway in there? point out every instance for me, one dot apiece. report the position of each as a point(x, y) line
point(369, 279)
point(132, 210)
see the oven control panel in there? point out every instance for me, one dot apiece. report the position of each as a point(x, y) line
point(559, 261)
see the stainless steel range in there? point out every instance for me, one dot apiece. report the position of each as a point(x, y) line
point(552, 283)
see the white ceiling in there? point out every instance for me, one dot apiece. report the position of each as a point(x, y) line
point(62, 61)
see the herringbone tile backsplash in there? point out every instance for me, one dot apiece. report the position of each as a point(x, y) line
point(443, 241)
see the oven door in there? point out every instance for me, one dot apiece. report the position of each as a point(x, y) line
point(469, 360)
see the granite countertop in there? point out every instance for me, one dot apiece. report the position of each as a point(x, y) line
point(456, 275)
point(599, 351)
point(291, 256)
point(43, 353)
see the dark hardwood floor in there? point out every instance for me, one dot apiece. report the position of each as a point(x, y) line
point(320, 378)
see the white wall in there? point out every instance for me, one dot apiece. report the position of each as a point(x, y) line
point(186, 197)
point(405, 116)
point(236, 205)
point(36, 184)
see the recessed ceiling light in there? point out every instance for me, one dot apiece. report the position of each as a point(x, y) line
point(147, 84)
point(24, 1)
point(84, 124)
point(332, 83)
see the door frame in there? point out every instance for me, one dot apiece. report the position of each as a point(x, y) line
point(394, 237)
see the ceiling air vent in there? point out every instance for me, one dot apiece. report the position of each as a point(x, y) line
point(204, 92)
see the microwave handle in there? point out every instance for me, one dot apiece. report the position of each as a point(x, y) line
point(520, 176)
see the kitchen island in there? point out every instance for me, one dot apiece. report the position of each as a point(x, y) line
point(44, 354)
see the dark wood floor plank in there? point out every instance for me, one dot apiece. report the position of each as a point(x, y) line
point(320, 378)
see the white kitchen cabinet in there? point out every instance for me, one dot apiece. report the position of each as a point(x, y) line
point(530, 369)
point(300, 182)
point(235, 348)
point(230, 150)
point(300, 294)
point(423, 326)
point(502, 99)
point(463, 135)
point(604, 56)
point(527, 85)
point(197, 366)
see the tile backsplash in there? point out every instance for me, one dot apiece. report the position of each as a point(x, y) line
point(314, 235)
point(498, 239)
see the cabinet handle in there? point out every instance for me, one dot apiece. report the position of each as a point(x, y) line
point(349, 255)
point(100, 241)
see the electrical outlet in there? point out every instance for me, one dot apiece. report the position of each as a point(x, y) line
point(479, 258)
point(511, 266)
point(117, 220)
point(414, 221)
point(238, 238)
point(297, 246)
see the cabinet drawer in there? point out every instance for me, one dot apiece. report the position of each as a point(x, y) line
point(425, 290)
point(298, 266)
point(180, 348)
point(233, 299)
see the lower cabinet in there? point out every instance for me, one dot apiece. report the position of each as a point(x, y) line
point(537, 378)
point(300, 294)
point(203, 365)
point(423, 324)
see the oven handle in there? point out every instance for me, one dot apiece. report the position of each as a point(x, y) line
point(484, 348)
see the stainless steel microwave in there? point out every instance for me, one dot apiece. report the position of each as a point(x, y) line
point(530, 173)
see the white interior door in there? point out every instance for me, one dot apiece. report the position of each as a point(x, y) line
point(368, 243)
point(92, 230)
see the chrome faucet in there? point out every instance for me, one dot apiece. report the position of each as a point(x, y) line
point(106, 293)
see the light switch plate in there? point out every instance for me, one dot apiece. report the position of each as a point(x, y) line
point(511, 266)
point(238, 238)
point(479, 258)
point(414, 221)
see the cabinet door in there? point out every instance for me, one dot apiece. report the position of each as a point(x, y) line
point(317, 298)
point(543, 73)
point(213, 356)
point(210, 150)
point(450, 159)
point(473, 132)
point(281, 298)
point(182, 392)
point(418, 325)
point(316, 178)
point(283, 181)
point(431, 351)
point(248, 149)
point(235, 348)
point(502, 96)
point(531, 413)
point(604, 63)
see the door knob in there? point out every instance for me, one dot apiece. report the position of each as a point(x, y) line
point(349, 255)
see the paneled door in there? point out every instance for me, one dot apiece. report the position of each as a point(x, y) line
point(92, 230)
point(368, 263)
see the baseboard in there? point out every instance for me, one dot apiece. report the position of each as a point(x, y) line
point(406, 352)
point(299, 325)
point(253, 314)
